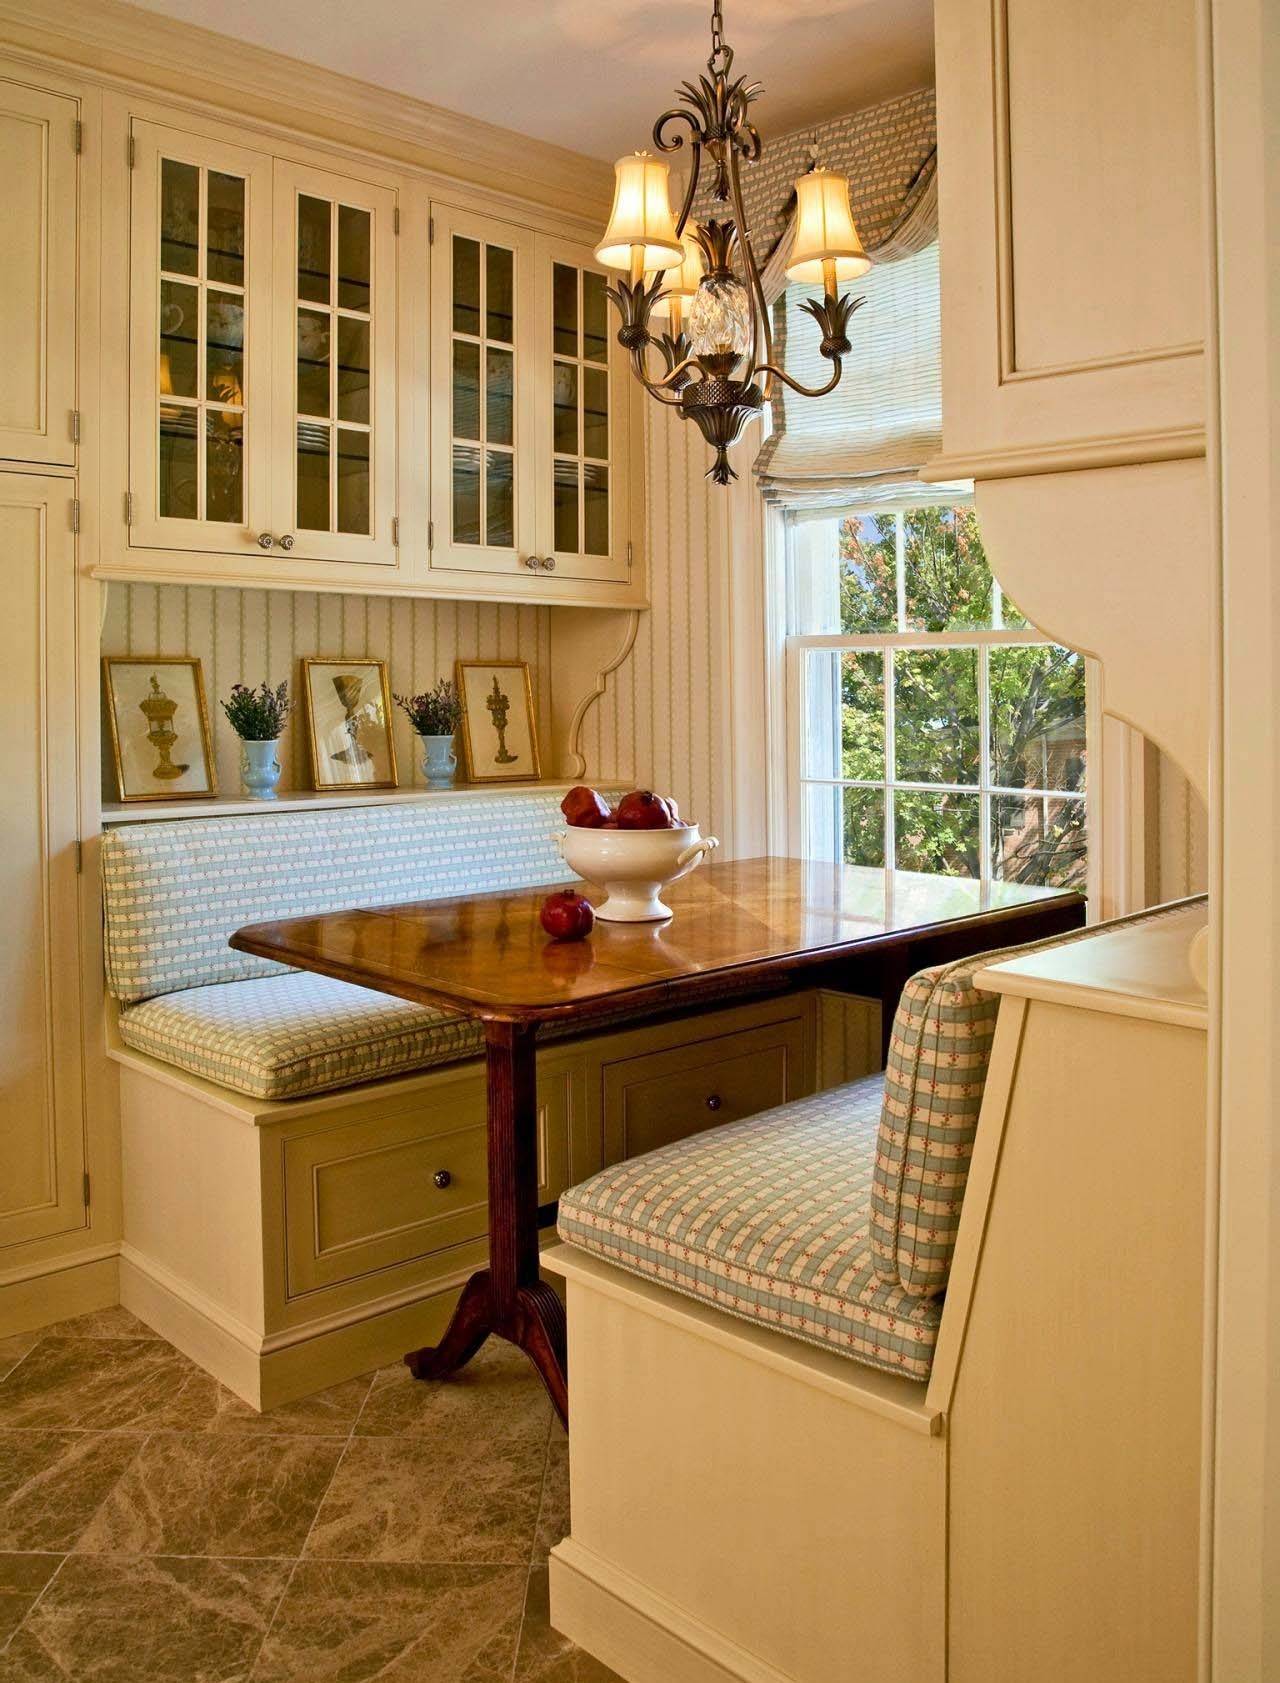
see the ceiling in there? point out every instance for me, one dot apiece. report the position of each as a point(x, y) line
point(593, 74)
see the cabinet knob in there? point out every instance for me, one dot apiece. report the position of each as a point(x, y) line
point(714, 1101)
point(442, 1178)
point(287, 541)
point(548, 563)
point(265, 540)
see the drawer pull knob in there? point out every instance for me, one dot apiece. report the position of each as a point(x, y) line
point(442, 1178)
point(714, 1101)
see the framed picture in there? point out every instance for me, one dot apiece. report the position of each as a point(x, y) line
point(499, 737)
point(159, 723)
point(349, 723)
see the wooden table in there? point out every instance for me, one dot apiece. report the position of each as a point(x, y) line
point(741, 927)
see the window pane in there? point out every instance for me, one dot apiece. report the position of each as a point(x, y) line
point(862, 715)
point(822, 714)
point(466, 286)
point(595, 318)
point(499, 531)
point(564, 309)
point(500, 395)
point(466, 494)
point(936, 715)
point(179, 329)
point(313, 476)
point(1037, 840)
point(564, 387)
point(595, 413)
point(224, 347)
point(225, 220)
point(313, 249)
point(354, 239)
point(353, 369)
point(823, 821)
point(224, 466)
point(466, 389)
point(178, 487)
point(1037, 719)
point(595, 508)
point(179, 217)
point(937, 833)
point(947, 580)
point(864, 827)
point(1012, 615)
point(353, 481)
point(566, 507)
point(868, 583)
point(499, 308)
point(313, 362)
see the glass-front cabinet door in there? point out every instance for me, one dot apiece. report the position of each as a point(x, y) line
point(335, 434)
point(483, 490)
point(584, 392)
point(200, 334)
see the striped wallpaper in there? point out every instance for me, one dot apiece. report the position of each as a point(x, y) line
point(245, 636)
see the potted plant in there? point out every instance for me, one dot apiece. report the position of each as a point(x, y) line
point(434, 716)
point(257, 717)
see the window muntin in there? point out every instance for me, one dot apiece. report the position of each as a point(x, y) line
point(938, 731)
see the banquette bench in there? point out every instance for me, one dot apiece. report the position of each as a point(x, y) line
point(304, 1160)
point(899, 1382)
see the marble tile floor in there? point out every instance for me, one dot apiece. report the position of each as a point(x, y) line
point(153, 1529)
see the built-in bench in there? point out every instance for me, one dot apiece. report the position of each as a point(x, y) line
point(285, 1135)
point(767, 1324)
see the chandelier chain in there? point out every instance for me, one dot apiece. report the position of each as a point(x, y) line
point(718, 50)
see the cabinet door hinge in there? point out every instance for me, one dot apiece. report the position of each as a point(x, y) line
point(128, 508)
point(79, 135)
point(79, 857)
point(86, 1185)
point(431, 230)
point(75, 514)
point(75, 426)
point(133, 152)
point(431, 534)
point(395, 220)
point(395, 530)
point(630, 554)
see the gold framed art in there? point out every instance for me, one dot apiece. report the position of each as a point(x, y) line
point(499, 731)
point(349, 736)
point(158, 718)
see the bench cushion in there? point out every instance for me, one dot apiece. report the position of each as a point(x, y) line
point(174, 893)
point(767, 1219)
point(279, 1037)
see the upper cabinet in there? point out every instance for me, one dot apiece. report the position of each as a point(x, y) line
point(262, 356)
point(39, 134)
point(531, 407)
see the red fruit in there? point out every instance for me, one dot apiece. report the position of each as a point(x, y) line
point(566, 916)
point(584, 808)
point(643, 810)
point(609, 824)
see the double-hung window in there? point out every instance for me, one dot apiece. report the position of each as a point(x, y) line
point(932, 728)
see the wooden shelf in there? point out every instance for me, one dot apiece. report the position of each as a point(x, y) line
point(307, 800)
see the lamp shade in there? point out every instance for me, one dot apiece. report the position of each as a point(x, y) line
point(825, 230)
point(641, 218)
point(681, 281)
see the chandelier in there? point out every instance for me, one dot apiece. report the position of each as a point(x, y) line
point(700, 282)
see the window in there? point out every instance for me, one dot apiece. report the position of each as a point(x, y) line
point(936, 730)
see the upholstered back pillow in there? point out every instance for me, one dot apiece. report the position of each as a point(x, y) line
point(175, 892)
point(934, 1079)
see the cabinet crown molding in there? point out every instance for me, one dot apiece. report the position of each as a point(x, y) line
point(118, 42)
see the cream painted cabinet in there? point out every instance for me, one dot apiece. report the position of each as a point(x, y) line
point(38, 206)
point(262, 357)
point(531, 400)
point(42, 1146)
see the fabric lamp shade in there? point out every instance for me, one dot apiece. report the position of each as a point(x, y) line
point(641, 220)
point(825, 231)
point(681, 282)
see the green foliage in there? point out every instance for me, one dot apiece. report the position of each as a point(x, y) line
point(257, 715)
point(435, 712)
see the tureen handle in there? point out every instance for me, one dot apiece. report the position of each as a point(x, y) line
point(697, 851)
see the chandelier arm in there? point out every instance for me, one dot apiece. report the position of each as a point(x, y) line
point(695, 171)
point(655, 388)
point(761, 337)
point(676, 141)
point(673, 373)
point(776, 373)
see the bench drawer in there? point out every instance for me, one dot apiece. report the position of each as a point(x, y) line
point(662, 1096)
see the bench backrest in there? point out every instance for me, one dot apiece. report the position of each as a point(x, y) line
point(934, 1080)
point(175, 892)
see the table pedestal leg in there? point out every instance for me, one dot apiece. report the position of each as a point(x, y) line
point(509, 1297)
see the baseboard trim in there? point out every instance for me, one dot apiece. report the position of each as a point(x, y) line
point(637, 1633)
point(38, 1294)
point(247, 1365)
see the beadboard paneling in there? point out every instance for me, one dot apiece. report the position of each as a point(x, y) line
point(246, 636)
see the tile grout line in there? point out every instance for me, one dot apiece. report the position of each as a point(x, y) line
point(533, 1548)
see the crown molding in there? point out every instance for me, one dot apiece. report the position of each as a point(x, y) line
point(115, 42)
